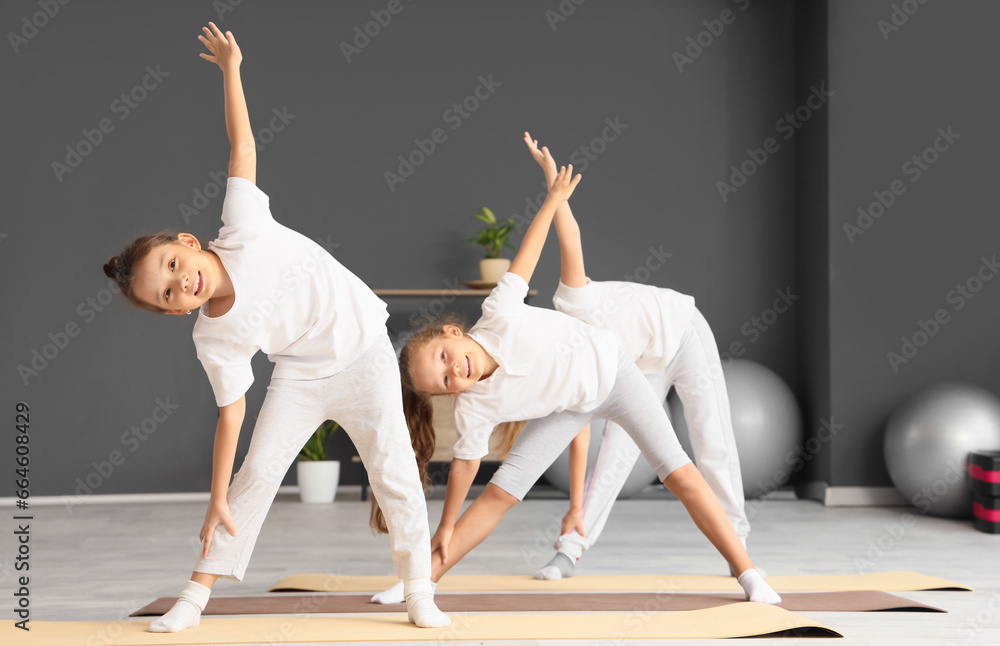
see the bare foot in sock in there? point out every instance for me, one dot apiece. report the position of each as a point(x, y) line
point(756, 588)
point(186, 613)
point(560, 567)
point(422, 611)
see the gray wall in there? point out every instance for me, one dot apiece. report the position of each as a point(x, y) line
point(655, 186)
point(892, 96)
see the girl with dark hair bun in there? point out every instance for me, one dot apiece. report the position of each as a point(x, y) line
point(262, 287)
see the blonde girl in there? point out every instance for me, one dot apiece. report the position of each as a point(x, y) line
point(263, 287)
point(520, 362)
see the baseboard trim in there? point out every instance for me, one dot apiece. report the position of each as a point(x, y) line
point(851, 496)
point(103, 499)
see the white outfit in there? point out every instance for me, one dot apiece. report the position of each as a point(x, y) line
point(558, 372)
point(294, 301)
point(325, 332)
point(549, 362)
point(673, 345)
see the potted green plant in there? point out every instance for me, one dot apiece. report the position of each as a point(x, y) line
point(318, 476)
point(493, 238)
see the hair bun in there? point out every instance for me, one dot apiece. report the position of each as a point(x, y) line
point(111, 268)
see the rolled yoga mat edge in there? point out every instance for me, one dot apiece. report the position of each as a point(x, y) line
point(733, 620)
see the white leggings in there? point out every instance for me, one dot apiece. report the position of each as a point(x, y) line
point(696, 373)
point(632, 403)
point(366, 400)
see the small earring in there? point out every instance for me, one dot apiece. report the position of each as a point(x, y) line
point(188, 312)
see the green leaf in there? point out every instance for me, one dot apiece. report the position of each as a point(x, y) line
point(489, 214)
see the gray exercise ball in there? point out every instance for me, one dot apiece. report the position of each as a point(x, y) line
point(928, 440)
point(767, 425)
point(642, 474)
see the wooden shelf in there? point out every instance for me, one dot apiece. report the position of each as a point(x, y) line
point(419, 293)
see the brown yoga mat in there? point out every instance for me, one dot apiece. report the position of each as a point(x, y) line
point(898, 581)
point(732, 620)
point(862, 601)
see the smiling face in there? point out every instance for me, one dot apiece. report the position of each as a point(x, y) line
point(448, 364)
point(176, 277)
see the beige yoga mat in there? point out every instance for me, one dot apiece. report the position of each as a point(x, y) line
point(860, 601)
point(734, 620)
point(898, 581)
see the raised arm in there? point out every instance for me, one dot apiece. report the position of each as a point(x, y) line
point(572, 272)
point(526, 260)
point(227, 55)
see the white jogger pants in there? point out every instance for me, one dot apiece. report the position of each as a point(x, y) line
point(696, 373)
point(366, 400)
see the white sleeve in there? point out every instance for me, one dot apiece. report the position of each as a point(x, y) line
point(473, 436)
point(509, 294)
point(245, 204)
point(576, 301)
point(229, 371)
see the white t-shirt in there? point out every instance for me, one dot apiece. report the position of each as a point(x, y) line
point(294, 301)
point(648, 321)
point(549, 362)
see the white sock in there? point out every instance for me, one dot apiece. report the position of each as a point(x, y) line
point(560, 567)
point(186, 613)
point(395, 594)
point(420, 607)
point(756, 588)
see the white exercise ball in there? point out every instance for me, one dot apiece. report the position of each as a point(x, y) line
point(927, 444)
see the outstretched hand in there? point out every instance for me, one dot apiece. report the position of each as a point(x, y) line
point(563, 186)
point(225, 52)
point(543, 158)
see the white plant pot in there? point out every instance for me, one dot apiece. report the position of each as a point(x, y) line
point(491, 269)
point(318, 480)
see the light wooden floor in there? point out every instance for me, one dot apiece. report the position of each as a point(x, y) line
point(104, 561)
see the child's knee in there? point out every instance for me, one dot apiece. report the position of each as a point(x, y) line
point(498, 496)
